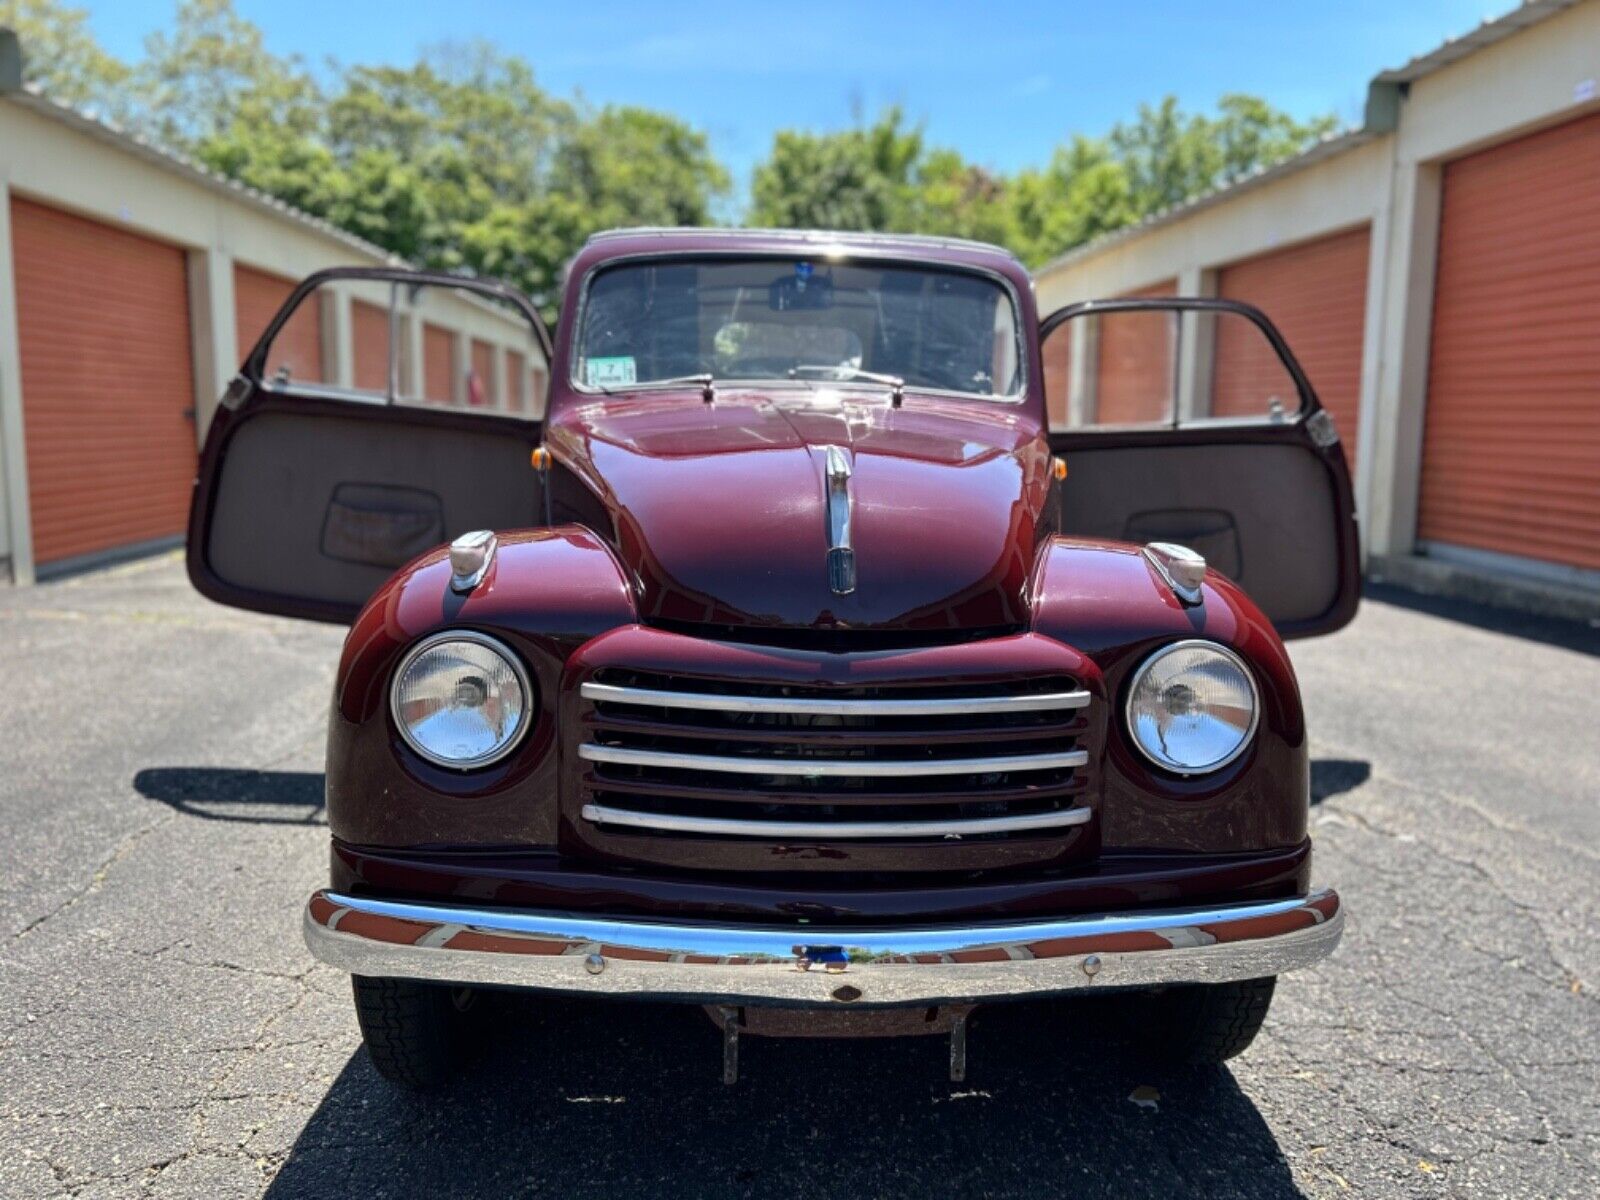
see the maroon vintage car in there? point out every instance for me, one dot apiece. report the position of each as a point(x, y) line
point(799, 660)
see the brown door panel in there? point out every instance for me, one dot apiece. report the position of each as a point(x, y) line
point(1267, 501)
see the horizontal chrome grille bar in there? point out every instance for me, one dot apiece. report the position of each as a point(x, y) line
point(825, 706)
point(602, 814)
point(836, 767)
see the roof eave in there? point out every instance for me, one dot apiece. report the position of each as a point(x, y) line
point(31, 98)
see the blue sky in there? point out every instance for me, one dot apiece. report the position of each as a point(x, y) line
point(1003, 83)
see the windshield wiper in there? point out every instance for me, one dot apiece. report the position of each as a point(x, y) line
point(896, 385)
point(705, 382)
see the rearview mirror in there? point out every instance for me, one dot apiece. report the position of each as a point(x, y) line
point(805, 289)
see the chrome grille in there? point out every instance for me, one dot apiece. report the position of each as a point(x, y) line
point(672, 756)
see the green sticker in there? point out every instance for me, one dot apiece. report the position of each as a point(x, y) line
point(608, 372)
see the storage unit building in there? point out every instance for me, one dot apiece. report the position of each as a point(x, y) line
point(132, 283)
point(1437, 272)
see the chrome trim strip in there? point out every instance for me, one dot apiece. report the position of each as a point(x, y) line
point(821, 706)
point(706, 963)
point(860, 252)
point(602, 814)
point(841, 550)
point(852, 768)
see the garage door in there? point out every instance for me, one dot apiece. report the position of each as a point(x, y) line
point(297, 350)
point(1136, 366)
point(438, 364)
point(107, 382)
point(516, 382)
point(480, 386)
point(1316, 293)
point(1511, 446)
point(369, 334)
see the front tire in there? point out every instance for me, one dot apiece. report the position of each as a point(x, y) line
point(415, 1032)
point(1208, 1023)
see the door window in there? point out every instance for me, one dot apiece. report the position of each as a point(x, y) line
point(408, 343)
point(1163, 368)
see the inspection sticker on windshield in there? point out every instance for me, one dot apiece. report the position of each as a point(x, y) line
point(608, 372)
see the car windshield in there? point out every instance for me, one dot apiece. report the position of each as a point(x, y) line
point(803, 319)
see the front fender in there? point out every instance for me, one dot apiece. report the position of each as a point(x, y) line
point(546, 592)
point(1106, 599)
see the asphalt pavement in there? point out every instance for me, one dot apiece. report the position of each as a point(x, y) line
point(163, 1031)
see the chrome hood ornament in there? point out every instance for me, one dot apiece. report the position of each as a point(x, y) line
point(1182, 569)
point(470, 556)
point(841, 554)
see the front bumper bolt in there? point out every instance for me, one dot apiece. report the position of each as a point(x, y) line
point(594, 964)
point(1091, 965)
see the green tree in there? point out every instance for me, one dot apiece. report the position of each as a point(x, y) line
point(1083, 193)
point(1251, 134)
point(632, 166)
point(884, 176)
point(954, 198)
point(462, 112)
point(212, 79)
point(861, 178)
point(1172, 156)
point(61, 57)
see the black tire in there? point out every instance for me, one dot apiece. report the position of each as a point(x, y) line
point(415, 1032)
point(1209, 1023)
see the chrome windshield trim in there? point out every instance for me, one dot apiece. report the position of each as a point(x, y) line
point(602, 814)
point(854, 768)
point(822, 706)
point(802, 964)
point(895, 255)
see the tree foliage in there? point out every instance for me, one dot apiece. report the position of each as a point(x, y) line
point(61, 56)
point(885, 176)
point(461, 160)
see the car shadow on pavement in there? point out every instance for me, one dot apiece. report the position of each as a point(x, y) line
point(1331, 776)
point(236, 794)
point(580, 1099)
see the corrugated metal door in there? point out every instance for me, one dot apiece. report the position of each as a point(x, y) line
point(438, 364)
point(1511, 448)
point(480, 388)
point(1135, 372)
point(297, 350)
point(107, 382)
point(1316, 293)
point(1056, 353)
point(369, 332)
point(516, 382)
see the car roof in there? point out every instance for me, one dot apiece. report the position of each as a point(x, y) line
point(837, 240)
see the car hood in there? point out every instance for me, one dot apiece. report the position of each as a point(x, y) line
point(719, 511)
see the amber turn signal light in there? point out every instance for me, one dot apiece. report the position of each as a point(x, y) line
point(1059, 467)
point(540, 459)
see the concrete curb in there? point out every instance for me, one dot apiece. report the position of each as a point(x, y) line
point(1430, 577)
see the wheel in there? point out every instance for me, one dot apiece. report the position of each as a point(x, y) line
point(415, 1032)
point(1207, 1023)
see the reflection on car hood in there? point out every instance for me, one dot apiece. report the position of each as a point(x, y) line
point(719, 511)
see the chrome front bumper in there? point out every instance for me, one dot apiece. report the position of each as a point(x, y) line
point(819, 966)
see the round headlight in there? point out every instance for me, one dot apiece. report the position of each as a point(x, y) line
point(461, 699)
point(1192, 707)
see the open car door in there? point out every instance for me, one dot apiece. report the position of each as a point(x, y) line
point(1189, 421)
point(382, 413)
